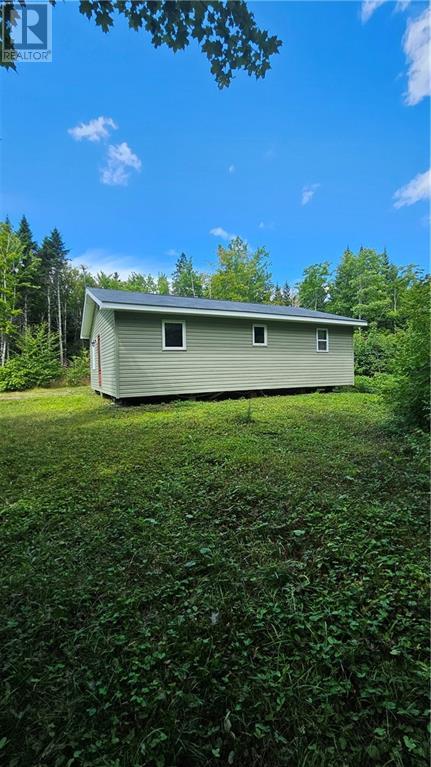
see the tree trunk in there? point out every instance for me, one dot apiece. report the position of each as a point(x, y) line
point(26, 311)
point(65, 330)
point(49, 308)
point(59, 322)
point(3, 345)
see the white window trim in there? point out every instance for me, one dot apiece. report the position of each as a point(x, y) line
point(265, 334)
point(93, 355)
point(174, 348)
point(322, 351)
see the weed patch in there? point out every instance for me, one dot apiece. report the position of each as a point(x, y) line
point(199, 585)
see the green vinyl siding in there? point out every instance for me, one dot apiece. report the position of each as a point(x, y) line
point(220, 356)
point(104, 325)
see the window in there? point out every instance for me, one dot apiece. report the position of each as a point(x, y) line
point(259, 335)
point(173, 335)
point(322, 340)
point(93, 355)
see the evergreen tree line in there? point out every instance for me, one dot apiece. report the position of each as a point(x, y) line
point(42, 295)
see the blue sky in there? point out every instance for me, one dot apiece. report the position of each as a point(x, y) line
point(304, 162)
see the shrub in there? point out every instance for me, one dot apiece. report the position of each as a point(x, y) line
point(375, 351)
point(381, 383)
point(411, 396)
point(36, 364)
point(13, 377)
point(78, 370)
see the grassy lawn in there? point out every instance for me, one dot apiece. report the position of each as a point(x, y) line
point(181, 587)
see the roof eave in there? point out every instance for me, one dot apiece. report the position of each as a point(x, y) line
point(224, 313)
point(90, 302)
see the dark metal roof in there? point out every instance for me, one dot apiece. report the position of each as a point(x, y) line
point(204, 304)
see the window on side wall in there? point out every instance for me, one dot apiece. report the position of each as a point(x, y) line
point(173, 335)
point(322, 340)
point(259, 335)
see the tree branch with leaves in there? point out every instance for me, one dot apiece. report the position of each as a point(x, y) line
point(226, 33)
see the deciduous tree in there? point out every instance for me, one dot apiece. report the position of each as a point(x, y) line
point(314, 287)
point(227, 33)
point(242, 275)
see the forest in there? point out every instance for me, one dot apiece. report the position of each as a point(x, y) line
point(42, 293)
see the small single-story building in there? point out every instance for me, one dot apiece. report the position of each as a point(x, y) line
point(146, 345)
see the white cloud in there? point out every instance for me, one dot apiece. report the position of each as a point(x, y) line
point(264, 225)
point(172, 253)
point(119, 160)
point(402, 5)
point(419, 188)
point(368, 7)
point(101, 260)
point(94, 130)
point(104, 260)
point(231, 169)
point(416, 45)
point(218, 231)
point(308, 193)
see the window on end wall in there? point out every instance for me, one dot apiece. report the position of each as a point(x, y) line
point(259, 335)
point(93, 355)
point(322, 340)
point(173, 335)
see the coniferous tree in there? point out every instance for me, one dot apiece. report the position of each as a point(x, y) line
point(53, 255)
point(343, 292)
point(287, 295)
point(283, 296)
point(370, 286)
point(186, 281)
point(12, 280)
point(30, 263)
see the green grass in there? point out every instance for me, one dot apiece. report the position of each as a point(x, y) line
point(196, 584)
